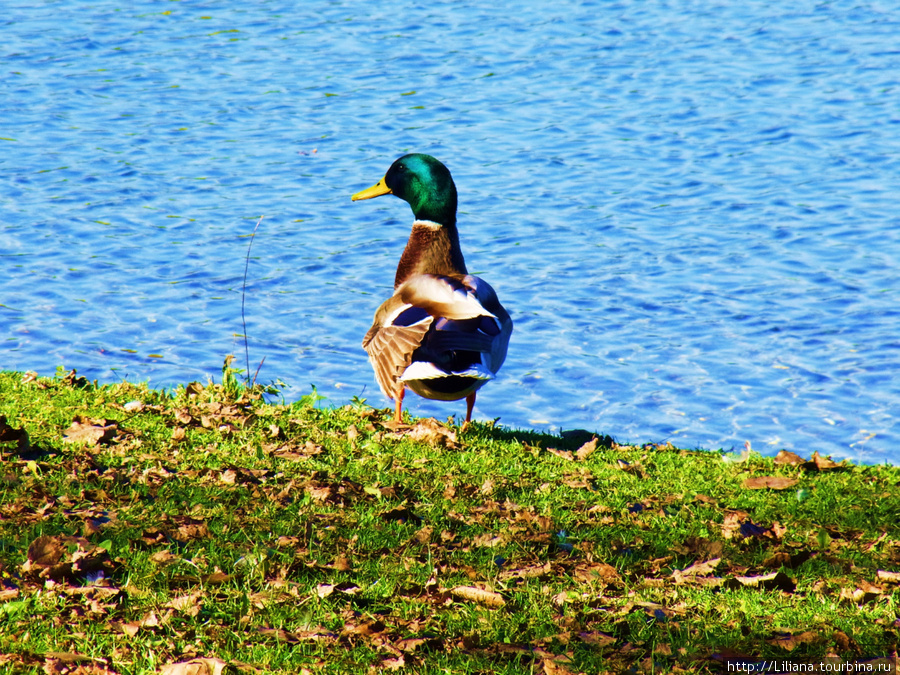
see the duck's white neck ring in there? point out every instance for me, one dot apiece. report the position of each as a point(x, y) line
point(427, 224)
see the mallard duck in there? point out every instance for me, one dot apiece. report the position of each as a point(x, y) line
point(443, 333)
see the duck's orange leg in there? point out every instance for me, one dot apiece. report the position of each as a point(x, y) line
point(470, 403)
point(398, 408)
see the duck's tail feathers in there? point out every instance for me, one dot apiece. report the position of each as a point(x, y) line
point(423, 370)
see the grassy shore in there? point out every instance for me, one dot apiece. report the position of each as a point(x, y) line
point(177, 532)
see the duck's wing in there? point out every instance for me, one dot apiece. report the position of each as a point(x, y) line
point(447, 297)
point(487, 298)
point(390, 346)
point(468, 316)
point(432, 316)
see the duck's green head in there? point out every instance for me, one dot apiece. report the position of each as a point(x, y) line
point(422, 181)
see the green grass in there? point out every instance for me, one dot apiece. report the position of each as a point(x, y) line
point(207, 522)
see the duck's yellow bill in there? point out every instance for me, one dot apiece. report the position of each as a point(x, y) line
point(380, 188)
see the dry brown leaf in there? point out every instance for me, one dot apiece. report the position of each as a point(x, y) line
point(293, 452)
point(90, 432)
point(564, 454)
point(770, 482)
point(587, 449)
point(423, 536)
point(529, 572)
point(775, 581)
point(786, 559)
point(820, 463)
point(478, 595)
point(152, 620)
point(434, 433)
point(698, 569)
point(70, 657)
point(862, 594)
point(45, 551)
point(597, 639)
point(789, 459)
point(365, 628)
point(341, 563)
point(700, 546)
point(790, 641)
point(738, 524)
point(588, 572)
point(65, 558)
point(401, 514)
point(187, 604)
point(889, 577)
point(68, 663)
point(320, 493)
point(10, 435)
point(164, 558)
point(489, 540)
point(393, 662)
point(551, 667)
point(191, 529)
point(200, 666)
point(411, 644)
point(130, 629)
point(576, 482)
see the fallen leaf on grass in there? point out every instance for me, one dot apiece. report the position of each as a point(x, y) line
point(195, 667)
point(890, 577)
point(700, 546)
point(696, 572)
point(586, 450)
point(90, 432)
point(564, 454)
point(528, 572)
point(71, 559)
point(164, 558)
point(191, 529)
point(770, 482)
point(393, 662)
point(46, 550)
point(70, 663)
point(411, 644)
point(775, 581)
point(434, 433)
point(738, 523)
point(10, 435)
point(789, 458)
point(347, 588)
point(597, 571)
point(862, 594)
point(551, 667)
point(318, 634)
point(478, 595)
point(819, 463)
point(785, 559)
point(294, 452)
point(597, 639)
point(403, 515)
point(187, 604)
point(151, 620)
point(790, 641)
point(130, 629)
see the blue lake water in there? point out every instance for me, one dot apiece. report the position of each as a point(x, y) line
point(690, 209)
